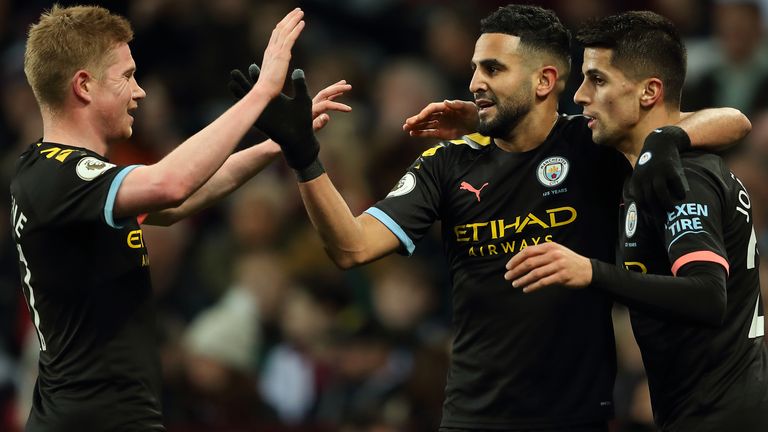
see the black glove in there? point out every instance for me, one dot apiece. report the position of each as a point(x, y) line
point(658, 179)
point(288, 121)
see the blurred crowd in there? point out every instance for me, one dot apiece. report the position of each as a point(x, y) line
point(260, 330)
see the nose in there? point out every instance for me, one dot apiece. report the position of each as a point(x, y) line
point(138, 92)
point(581, 97)
point(477, 84)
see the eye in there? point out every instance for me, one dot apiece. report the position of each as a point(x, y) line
point(597, 80)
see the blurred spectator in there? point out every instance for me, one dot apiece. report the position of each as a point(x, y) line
point(294, 372)
point(739, 78)
point(243, 348)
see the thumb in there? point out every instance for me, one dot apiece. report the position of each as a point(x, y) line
point(299, 84)
point(253, 72)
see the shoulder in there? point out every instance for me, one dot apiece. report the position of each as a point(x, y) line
point(573, 131)
point(708, 171)
point(704, 164)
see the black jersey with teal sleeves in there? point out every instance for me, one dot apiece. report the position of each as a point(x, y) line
point(702, 377)
point(85, 276)
point(519, 361)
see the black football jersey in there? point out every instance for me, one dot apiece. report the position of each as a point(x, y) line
point(694, 370)
point(518, 360)
point(85, 277)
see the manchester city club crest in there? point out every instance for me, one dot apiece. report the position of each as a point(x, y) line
point(630, 223)
point(552, 171)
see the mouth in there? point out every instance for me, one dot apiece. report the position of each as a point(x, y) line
point(591, 120)
point(483, 105)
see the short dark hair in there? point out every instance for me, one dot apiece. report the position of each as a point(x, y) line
point(539, 29)
point(644, 44)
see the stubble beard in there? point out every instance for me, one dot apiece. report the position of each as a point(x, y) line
point(508, 115)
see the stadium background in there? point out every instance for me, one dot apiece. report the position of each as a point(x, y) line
point(260, 331)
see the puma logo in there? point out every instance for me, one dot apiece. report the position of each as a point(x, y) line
point(468, 187)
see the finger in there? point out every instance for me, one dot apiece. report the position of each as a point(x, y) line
point(530, 251)
point(429, 133)
point(333, 90)
point(293, 35)
point(429, 110)
point(677, 185)
point(290, 20)
point(324, 106)
point(239, 84)
point(431, 124)
point(253, 72)
point(542, 283)
point(299, 84)
point(520, 268)
point(534, 275)
point(236, 90)
point(284, 33)
point(320, 122)
point(648, 197)
point(663, 198)
point(460, 105)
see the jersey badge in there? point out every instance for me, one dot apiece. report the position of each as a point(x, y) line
point(404, 186)
point(552, 171)
point(630, 223)
point(468, 187)
point(89, 168)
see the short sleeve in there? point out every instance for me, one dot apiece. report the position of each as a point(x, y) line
point(80, 190)
point(693, 229)
point(413, 204)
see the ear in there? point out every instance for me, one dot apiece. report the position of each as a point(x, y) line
point(547, 81)
point(652, 93)
point(82, 85)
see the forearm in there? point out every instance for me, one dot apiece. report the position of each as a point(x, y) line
point(199, 157)
point(697, 295)
point(715, 128)
point(236, 170)
point(342, 233)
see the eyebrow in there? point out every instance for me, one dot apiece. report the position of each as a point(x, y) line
point(593, 72)
point(486, 63)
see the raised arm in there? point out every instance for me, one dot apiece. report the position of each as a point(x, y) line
point(177, 176)
point(243, 165)
point(348, 240)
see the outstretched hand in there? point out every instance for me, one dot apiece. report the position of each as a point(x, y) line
point(444, 120)
point(277, 55)
point(323, 101)
point(548, 264)
point(658, 180)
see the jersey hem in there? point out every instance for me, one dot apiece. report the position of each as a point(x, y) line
point(394, 227)
point(109, 205)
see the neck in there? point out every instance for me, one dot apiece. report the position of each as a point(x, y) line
point(655, 118)
point(531, 131)
point(71, 128)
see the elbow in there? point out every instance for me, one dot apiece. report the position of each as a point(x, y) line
point(744, 123)
point(171, 192)
point(741, 120)
point(345, 261)
point(717, 305)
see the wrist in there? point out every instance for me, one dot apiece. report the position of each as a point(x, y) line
point(670, 135)
point(263, 92)
point(310, 172)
